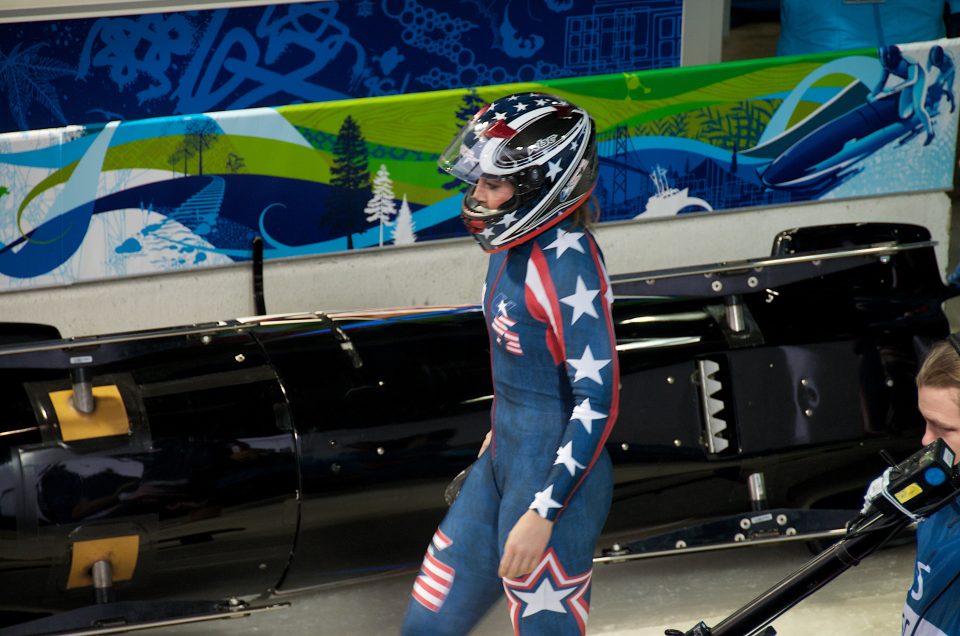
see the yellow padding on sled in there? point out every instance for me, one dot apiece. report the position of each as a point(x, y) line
point(121, 552)
point(108, 418)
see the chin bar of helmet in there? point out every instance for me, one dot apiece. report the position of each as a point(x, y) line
point(919, 492)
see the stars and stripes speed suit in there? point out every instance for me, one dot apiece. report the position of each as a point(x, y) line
point(547, 305)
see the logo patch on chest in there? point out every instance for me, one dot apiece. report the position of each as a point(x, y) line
point(502, 325)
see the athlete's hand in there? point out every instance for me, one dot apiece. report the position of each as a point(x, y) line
point(486, 442)
point(525, 545)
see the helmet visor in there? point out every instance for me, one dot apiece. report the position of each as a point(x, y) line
point(471, 154)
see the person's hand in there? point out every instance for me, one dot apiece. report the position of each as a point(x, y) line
point(486, 442)
point(873, 491)
point(525, 545)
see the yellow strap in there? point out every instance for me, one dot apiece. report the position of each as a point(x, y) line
point(121, 552)
point(109, 416)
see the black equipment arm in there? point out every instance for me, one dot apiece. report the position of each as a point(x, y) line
point(866, 533)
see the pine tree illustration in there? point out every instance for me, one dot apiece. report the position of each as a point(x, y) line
point(471, 103)
point(381, 206)
point(404, 229)
point(350, 173)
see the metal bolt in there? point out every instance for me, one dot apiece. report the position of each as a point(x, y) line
point(791, 532)
point(771, 365)
point(677, 443)
point(680, 545)
point(804, 382)
point(716, 286)
point(815, 263)
point(233, 602)
point(333, 443)
point(781, 520)
point(263, 566)
point(206, 340)
point(889, 381)
point(239, 357)
point(739, 537)
point(885, 258)
point(745, 523)
point(380, 450)
point(752, 281)
point(625, 446)
point(670, 379)
point(808, 412)
point(335, 468)
point(650, 281)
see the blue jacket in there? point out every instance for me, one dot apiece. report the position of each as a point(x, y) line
point(816, 26)
point(933, 602)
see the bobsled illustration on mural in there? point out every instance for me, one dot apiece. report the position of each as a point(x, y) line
point(174, 193)
point(853, 126)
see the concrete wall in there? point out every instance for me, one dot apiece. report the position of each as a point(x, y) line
point(442, 272)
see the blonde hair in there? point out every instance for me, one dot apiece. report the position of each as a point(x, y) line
point(941, 368)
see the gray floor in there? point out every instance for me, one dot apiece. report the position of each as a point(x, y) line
point(639, 598)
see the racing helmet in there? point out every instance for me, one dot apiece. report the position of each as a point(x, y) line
point(936, 57)
point(890, 56)
point(544, 146)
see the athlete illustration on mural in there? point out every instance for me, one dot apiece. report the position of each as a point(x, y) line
point(903, 104)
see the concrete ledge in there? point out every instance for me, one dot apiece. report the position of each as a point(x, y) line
point(443, 272)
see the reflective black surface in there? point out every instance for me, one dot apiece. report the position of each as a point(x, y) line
point(289, 453)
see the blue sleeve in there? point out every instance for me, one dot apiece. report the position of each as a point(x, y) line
point(569, 287)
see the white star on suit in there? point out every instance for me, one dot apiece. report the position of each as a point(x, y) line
point(587, 366)
point(586, 415)
point(487, 232)
point(553, 169)
point(581, 301)
point(502, 307)
point(544, 599)
point(508, 219)
point(566, 241)
point(565, 457)
point(543, 502)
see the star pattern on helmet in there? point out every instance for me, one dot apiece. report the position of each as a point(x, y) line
point(581, 301)
point(587, 366)
point(543, 501)
point(553, 169)
point(585, 414)
point(565, 458)
point(520, 106)
point(566, 241)
point(542, 102)
point(499, 115)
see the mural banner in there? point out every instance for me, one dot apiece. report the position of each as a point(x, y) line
point(94, 70)
point(165, 194)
